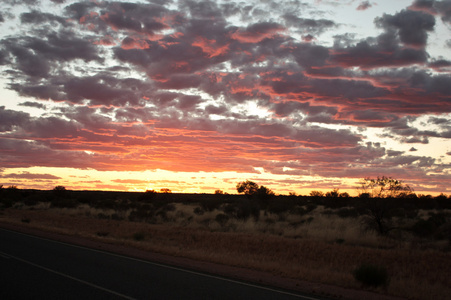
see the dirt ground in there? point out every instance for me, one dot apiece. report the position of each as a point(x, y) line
point(234, 273)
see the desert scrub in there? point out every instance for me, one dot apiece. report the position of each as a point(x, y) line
point(139, 236)
point(370, 275)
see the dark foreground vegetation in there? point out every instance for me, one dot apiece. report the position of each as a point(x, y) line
point(422, 216)
point(387, 239)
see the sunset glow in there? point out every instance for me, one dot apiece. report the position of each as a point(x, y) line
point(196, 96)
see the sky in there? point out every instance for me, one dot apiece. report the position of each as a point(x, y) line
point(196, 96)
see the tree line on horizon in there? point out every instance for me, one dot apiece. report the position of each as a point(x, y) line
point(380, 187)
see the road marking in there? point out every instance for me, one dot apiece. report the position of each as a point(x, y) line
point(68, 276)
point(170, 267)
point(4, 255)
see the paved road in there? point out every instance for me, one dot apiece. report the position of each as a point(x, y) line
point(36, 268)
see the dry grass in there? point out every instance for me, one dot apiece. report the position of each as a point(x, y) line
point(317, 247)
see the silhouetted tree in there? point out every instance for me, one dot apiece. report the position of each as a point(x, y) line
point(379, 194)
point(148, 195)
point(263, 193)
point(247, 187)
point(384, 187)
point(219, 192)
point(333, 194)
point(165, 191)
point(316, 194)
point(59, 190)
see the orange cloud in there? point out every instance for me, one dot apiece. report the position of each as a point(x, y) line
point(210, 46)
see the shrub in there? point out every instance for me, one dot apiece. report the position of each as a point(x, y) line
point(243, 210)
point(59, 191)
point(139, 236)
point(348, 213)
point(64, 203)
point(6, 203)
point(222, 219)
point(371, 275)
point(210, 204)
point(429, 228)
point(198, 211)
point(148, 195)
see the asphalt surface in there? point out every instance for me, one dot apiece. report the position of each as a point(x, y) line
point(37, 268)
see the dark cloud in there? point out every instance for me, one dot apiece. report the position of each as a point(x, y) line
point(411, 26)
point(32, 104)
point(104, 90)
point(380, 52)
point(308, 26)
point(10, 119)
point(442, 8)
point(22, 2)
point(28, 175)
point(79, 9)
point(440, 65)
point(36, 17)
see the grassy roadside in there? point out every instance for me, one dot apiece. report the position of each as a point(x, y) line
point(316, 246)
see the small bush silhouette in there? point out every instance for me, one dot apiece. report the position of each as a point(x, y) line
point(371, 275)
point(139, 236)
point(222, 219)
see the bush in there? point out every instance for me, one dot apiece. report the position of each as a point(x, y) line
point(243, 210)
point(348, 213)
point(139, 236)
point(210, 204)
point(148, 195)
point(198, 211)
point(371, 275)
point(222, 219)
point(64, 203)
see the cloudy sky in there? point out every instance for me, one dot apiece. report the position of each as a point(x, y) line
point(197, 95)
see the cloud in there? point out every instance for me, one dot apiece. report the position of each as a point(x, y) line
point(131, 181)
point(364, 5)
point(411, 26)
point(36, 17)
point(442, 8)
point(380, 52)
point(307, 25)
point(32, 104)
point(183, 86)
point(10, 118)
point(28, 175)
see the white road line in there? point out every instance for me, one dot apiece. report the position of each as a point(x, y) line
point(4, 255)
point(175, 268)
point(68, 276)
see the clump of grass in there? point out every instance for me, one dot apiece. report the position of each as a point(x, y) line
point(26, 220)
point(139, 236)
point(222, 219)
point(371, 275)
